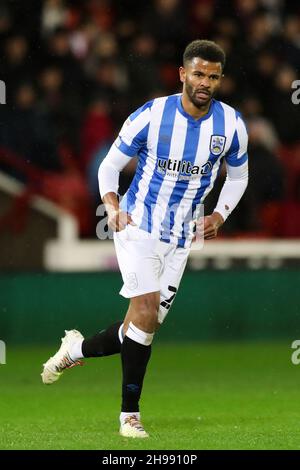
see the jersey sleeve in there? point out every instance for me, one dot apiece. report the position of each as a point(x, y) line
point(233, 189)
point(237, 154)
point(134, 132)
point(236, 161)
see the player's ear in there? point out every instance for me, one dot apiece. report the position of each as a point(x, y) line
point(182, 74)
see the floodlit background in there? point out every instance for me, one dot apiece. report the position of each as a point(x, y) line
point(73, 72)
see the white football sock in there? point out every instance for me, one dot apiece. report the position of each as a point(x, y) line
point(75, 352)
point(121, 333)
point(139, 336)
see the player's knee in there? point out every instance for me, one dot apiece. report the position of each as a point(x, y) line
point(148, 310)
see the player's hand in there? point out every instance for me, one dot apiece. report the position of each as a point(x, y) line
point(117, 220)
point(212, 223)
point(207, 227)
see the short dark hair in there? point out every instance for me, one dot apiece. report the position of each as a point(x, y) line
point(207, 50)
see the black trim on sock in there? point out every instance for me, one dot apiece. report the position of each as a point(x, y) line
point(135, 358)
point(105, 343)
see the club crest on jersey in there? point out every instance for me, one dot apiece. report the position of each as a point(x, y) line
point(217, 144)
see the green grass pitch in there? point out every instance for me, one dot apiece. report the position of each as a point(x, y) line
point(196, 396)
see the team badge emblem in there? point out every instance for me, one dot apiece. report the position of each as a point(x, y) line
point(217, 144)
point(131, 281)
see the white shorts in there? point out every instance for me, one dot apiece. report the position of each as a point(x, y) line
point(149, 265)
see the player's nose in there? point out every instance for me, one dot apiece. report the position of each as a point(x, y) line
point(205, 82)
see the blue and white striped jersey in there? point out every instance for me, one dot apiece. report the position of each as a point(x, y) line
point(178, 161)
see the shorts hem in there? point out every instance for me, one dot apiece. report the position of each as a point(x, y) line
point(136, 294)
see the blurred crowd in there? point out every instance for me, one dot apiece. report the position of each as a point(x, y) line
point(74, 70)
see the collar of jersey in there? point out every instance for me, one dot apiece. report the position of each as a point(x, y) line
point(189, 117)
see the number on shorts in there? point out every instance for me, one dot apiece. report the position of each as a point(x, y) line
point(167, 303)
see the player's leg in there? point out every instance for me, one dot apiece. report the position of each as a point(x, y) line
point(143, 311)
point(74, 348)
point(140, 266)
point(135, 259)
point(108, 342)
point(139, 326)
point(144, 317)
point(145, 314)
point(105, 343)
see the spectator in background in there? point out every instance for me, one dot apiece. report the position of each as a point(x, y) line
point(110, 80)
point(263, 201)
point(81, 40)
point(291, 41)
point(259, 35)
point(54, 15)
point(102, 12)
point(166, 21)
point(5, 22)
point(17, 65)
point(59, 54)
point(226, 26)
point(28, 132)
point(252, 111)
point(201, 17)
point(283, 112)
point(265, 69)
point(96, 130)
point(144, 75)
point(51, 89)
point(245, 10)
point(104, 46)
point(62, 105)
point(265, 165)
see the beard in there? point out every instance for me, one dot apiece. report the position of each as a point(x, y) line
point(198, 101)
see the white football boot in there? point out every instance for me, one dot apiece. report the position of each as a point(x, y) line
point(132, 427)
point(61, 360)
